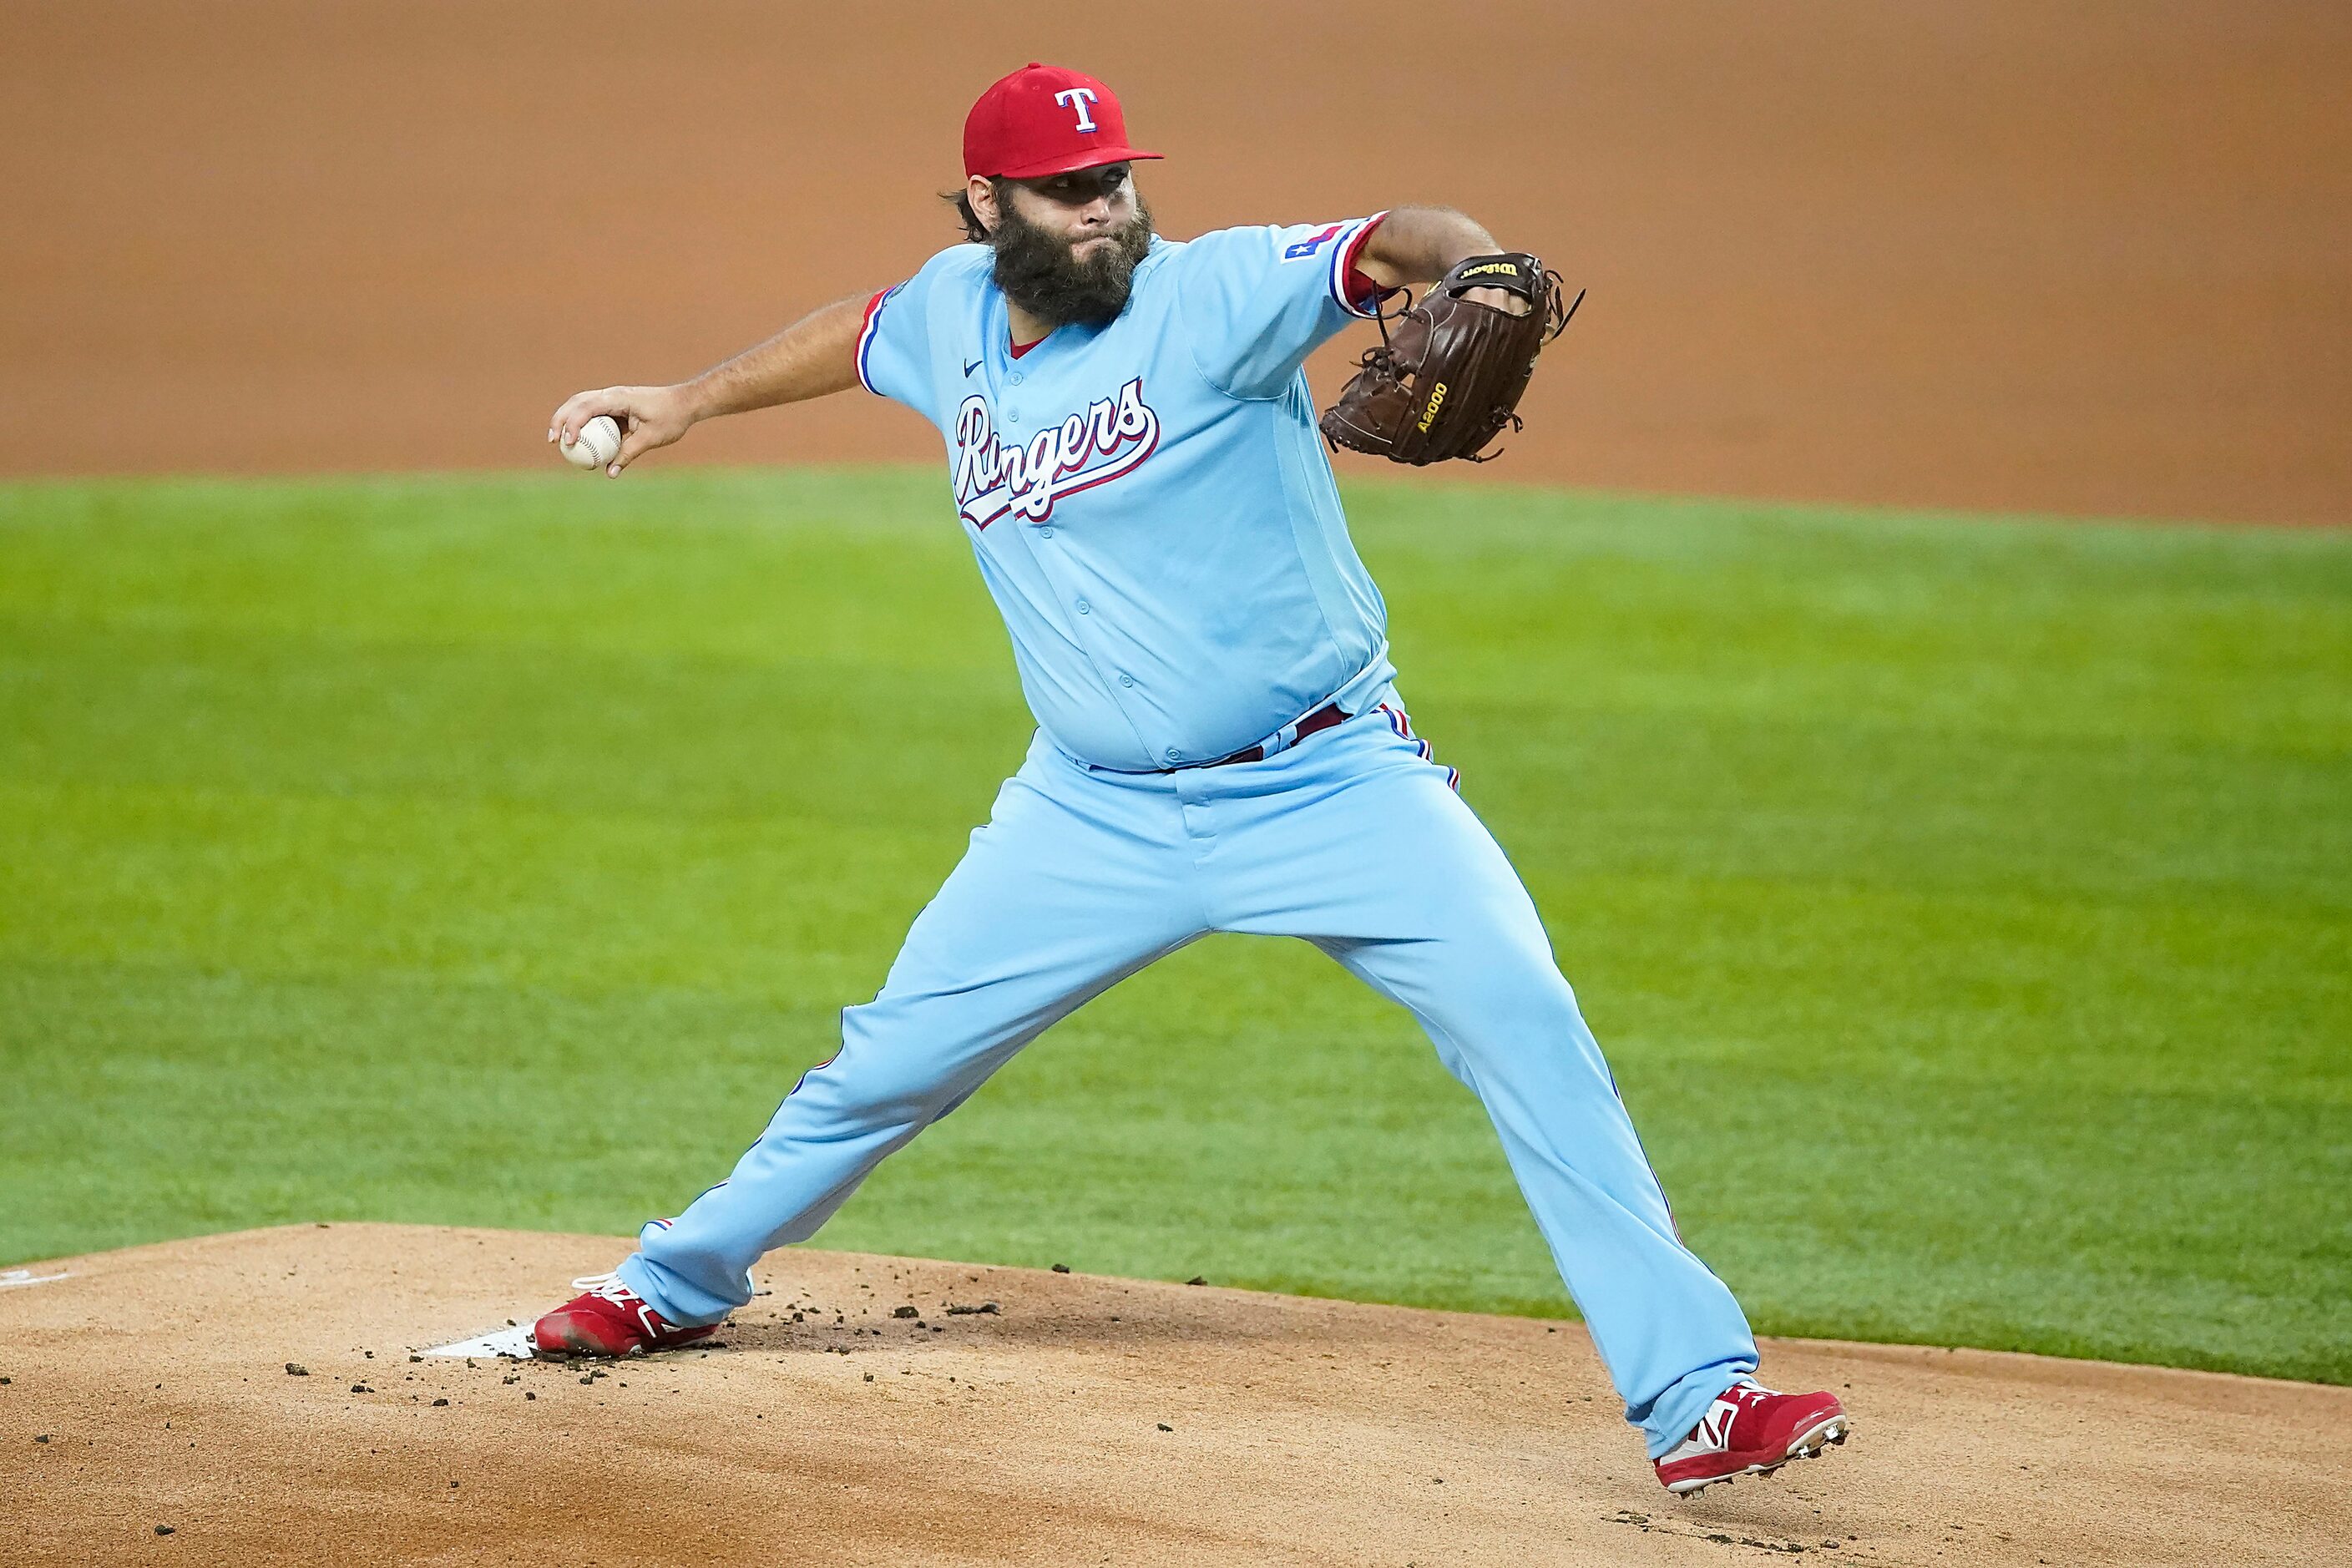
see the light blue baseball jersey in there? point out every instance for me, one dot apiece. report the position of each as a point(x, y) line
point(1149, 501)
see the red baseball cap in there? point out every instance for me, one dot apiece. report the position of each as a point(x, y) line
point(1044, 119)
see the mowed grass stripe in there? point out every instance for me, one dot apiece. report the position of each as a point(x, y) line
point(1962, 902)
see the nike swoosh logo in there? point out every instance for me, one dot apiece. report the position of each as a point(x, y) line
point(970, 368)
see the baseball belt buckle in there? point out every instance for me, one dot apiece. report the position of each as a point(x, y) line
point(1289, 735)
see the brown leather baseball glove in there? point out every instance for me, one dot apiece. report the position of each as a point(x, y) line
point(1450, 377)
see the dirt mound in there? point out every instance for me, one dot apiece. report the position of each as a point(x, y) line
point(2087, 258)
point(1027, 1416)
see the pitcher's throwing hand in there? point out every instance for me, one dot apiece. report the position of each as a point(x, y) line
point(648, 416)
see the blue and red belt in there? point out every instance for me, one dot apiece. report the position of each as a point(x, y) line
point(1322, 718)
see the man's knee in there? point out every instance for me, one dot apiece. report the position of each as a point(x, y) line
point(886, 1073)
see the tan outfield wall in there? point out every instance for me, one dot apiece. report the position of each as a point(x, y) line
point(1978, 253)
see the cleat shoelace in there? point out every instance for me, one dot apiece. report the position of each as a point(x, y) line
point(607, 1288)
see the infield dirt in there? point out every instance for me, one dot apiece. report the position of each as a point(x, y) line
point(1082, 1420)
point(2091, 257)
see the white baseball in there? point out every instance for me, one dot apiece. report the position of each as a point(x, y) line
point(599, 444)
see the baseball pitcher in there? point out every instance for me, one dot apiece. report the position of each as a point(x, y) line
point(1141, 473)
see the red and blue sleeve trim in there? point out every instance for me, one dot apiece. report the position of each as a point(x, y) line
point(865, 336)
point(1354, 290)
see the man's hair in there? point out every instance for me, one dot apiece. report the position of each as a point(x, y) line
point(962, 201)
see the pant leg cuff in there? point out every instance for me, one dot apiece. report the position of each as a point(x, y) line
point(1681, 1407)
point(671, 1294)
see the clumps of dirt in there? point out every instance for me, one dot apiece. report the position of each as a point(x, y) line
point(1338, 1410)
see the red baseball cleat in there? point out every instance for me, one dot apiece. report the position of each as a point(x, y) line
point(1749, 1430)
point(610, 1320)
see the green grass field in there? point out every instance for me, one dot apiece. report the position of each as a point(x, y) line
point(1965, 904)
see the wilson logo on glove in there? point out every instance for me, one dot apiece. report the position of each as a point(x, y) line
point(1450, 376)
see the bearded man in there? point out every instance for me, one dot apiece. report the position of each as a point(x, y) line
point(1220, 745)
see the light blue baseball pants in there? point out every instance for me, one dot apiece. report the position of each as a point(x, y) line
point(1353, 839)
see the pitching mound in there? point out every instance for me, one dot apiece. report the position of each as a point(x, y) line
point(1021, 1416)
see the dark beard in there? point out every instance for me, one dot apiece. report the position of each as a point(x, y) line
point(1037, 272)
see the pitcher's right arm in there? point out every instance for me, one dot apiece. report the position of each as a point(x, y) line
point(815, 355)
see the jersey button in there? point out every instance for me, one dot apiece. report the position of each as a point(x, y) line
point(1174, 755)
point(1085, 608)
point(1045, 533)
point(1126, 680)
point(1015, 378)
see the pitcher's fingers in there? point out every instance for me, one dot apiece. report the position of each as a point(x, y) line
point(635, 442)
point(583, 407)
point(559, 426)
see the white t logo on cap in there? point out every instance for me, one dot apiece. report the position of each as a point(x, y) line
point(1078, 98)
